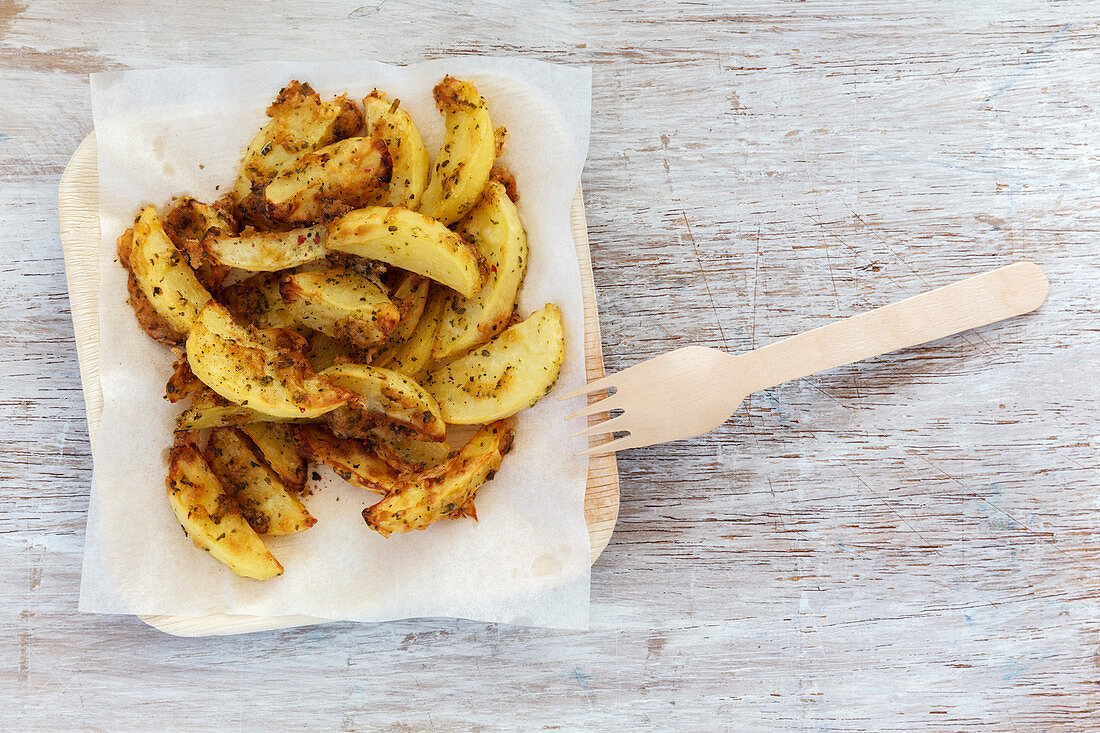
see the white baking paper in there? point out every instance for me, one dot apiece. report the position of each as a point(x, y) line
point(169, 132)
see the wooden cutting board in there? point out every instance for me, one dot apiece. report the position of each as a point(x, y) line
point(78, 211)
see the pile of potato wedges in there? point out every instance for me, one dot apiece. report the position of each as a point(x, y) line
point(343, 304)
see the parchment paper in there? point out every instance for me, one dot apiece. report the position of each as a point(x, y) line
point(182, 131)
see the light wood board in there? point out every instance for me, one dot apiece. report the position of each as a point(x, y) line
point(78, 212)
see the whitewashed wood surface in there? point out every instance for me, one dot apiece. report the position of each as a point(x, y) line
point(907, 544)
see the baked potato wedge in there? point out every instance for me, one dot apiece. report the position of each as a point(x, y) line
point(267, 251)
point(510, 373)
point(300, 122)
point(469, 149)
point(355, 461)
point(419, 499)
point(261, 496)
point(342, 304)
point(151, 322)
point(413, 356)
point(329, 181)
point(493, 226)
point(210, 518)
point(164, 275)
point(254, 370)
point(210, 410)
point(410, 296)
point(408, 156)
point(382, 397)
point(411, 454)
point(276, 444)
point(411, 241)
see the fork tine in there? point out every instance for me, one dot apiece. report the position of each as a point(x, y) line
point(627, 441)
point(607, 426)
point(602, 383)
point(607, 403)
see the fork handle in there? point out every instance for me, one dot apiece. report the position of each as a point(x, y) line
point(977, 301)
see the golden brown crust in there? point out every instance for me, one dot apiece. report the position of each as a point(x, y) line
point(188, 222)
point(350, 119)
point(504, 177)
point(183, 382)
point(293, 95)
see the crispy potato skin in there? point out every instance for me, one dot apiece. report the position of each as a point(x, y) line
point(257, 302)
point(349, 121)
point(358, 462)
point(418, 500)
point(183, 383)
point(504, 177)
point(188, 223)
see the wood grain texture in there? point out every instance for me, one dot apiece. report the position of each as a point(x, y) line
point(78, 207)
point(906, 544)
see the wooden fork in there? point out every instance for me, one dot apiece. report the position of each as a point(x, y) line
point(693, 390)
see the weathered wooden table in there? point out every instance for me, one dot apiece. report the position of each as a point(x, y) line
point(906, 544)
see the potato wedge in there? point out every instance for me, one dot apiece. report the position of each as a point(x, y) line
point(300, 122)
point(355, 461)
point(418, 500)
point(413, 357)
point(413, 454)
point(410, 241)
point(493, 226)
point(383, 397)
point(209, 517)
point(164, 275)
point(151, 322)
point(469, 149)
point(329, 181)
point(276, 443)
point(258, 302)
point(408, 156)
point(210, 410)
point(410, 296)
point(510, 373)
point(262, 497)
point(341, 304)
point(267, 251)
point(247, 367)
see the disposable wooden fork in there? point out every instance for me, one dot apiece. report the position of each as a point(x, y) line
point(693, 390)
